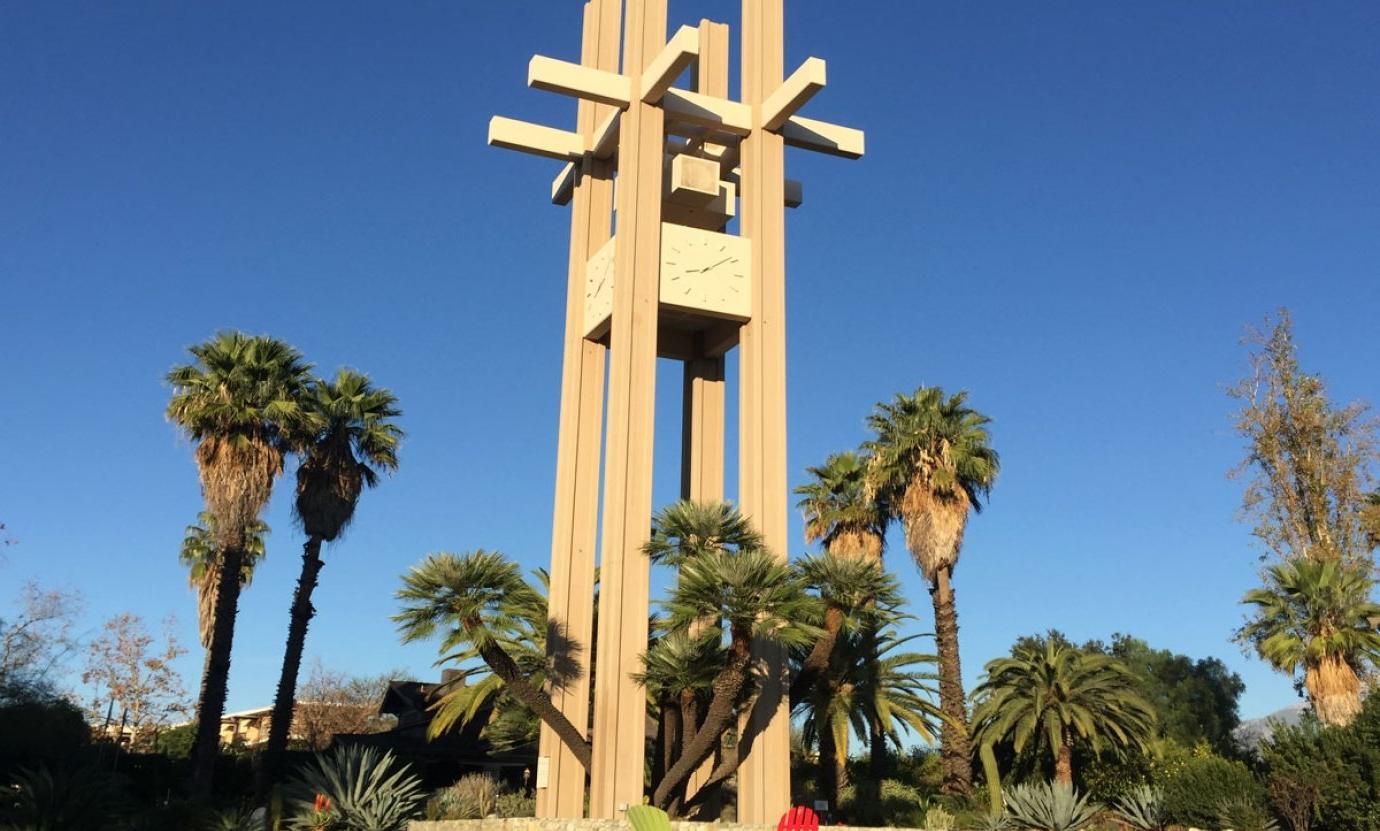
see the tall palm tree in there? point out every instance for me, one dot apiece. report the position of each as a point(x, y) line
point(848, 518)
point(472, 600)
point(238, 402)
point(839, 511)
point(1317, 616)
point(353, 442)
point(932, 463)
point(758, 597)
point(198, 554)
point(1051, 694)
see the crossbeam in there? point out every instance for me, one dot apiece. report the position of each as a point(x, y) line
point(803, 84)
point(526, 137)
point(563, 186)
point(707, 111)
point(822, 137)
point(605, 142)
point(679, 52)
point(579, 81)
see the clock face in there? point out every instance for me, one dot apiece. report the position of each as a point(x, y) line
point(706, 271)
point(599, 290)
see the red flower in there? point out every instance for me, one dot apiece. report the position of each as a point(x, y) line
point(323, 803)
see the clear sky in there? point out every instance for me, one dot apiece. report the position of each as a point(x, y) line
point(1070, 209)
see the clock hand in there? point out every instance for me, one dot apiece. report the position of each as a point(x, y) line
point(715, 265)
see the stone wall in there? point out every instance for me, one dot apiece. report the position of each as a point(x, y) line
point(529, 824)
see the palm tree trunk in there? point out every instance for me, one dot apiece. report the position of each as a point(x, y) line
point(816, 664)
point(502, 665)
point(1063, 762)
point(284, 703)
point(827, 770)
point(215, 674)
point(953, 742)
point(717, 718)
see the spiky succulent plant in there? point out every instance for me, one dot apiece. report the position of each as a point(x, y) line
point(1049, 806)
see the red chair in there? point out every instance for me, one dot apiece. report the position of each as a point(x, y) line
point(799, 818)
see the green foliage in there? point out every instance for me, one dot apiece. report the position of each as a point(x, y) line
point(175, 742)
point(837, 507)
point(1194, 700)
point(1245, 814)
point(368, 790)
point(1332, 773)
point(62, 799)
point(473, 796)
point(1049, 806)
point(1196, 785)
point(1048, 694)
point(1144, 809)
point(938, 819)
point(1312, 611)
point(515, 804)
point(687, 529)
point(41, 731)
point(894, 804)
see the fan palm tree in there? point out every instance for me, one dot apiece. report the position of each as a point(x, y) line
point(839, 511)
point(757, 597)
point(198, 554)
point(932, 463)
point(1317, 616)
point(679, 669)
point(855, 595)
point(238, 402)
point(687, 529)
point(354, 441)
point(472, 601)
point(1051, 694)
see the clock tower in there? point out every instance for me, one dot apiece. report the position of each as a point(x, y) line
point(677, 195)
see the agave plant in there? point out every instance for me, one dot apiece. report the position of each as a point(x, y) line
point(74, 799)
point(1144, 809)
point(361, 788)
point(1050, 806)
point(992, 821)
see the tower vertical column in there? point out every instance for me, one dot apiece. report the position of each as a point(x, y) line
point(764, 777)
point(620, 707)
point(561, 777)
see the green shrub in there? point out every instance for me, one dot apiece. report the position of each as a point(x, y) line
point(1049, 807)
point(1329, 773)
point(1245, 815)
point(938, 819)
point(38, 732)
point(175, 742)
point(515, 804)
point(1197, 785)
point(368, 791)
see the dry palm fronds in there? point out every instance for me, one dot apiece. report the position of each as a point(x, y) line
point(236, 481)
point(934, 523)
point(853, 542)
point(329, 482)
point(1334, 689)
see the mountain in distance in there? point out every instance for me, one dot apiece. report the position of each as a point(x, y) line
point(1249, 734)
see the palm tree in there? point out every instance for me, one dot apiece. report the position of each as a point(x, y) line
point(687, 529)
point(855, 595)
point(838, 509)
point(353, 443)
point(757, 597)
point(1318, 616)
point(842, 513)
point(869, 683)
point(198, 554)
point(238, 402)
point(471, 600)
point(679, 669)
point(932, 463)
point(1051, 694)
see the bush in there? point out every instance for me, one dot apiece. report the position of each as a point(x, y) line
point(175, 742)
point(365, 790)
point(894, 804)
point(515, 804)
point(41, 732)
point(1196, 786)
point(1331, 773)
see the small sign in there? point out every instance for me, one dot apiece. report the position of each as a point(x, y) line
point(543, 771)
point(821, 804)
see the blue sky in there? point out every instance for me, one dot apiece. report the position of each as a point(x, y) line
point(1070, 209)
